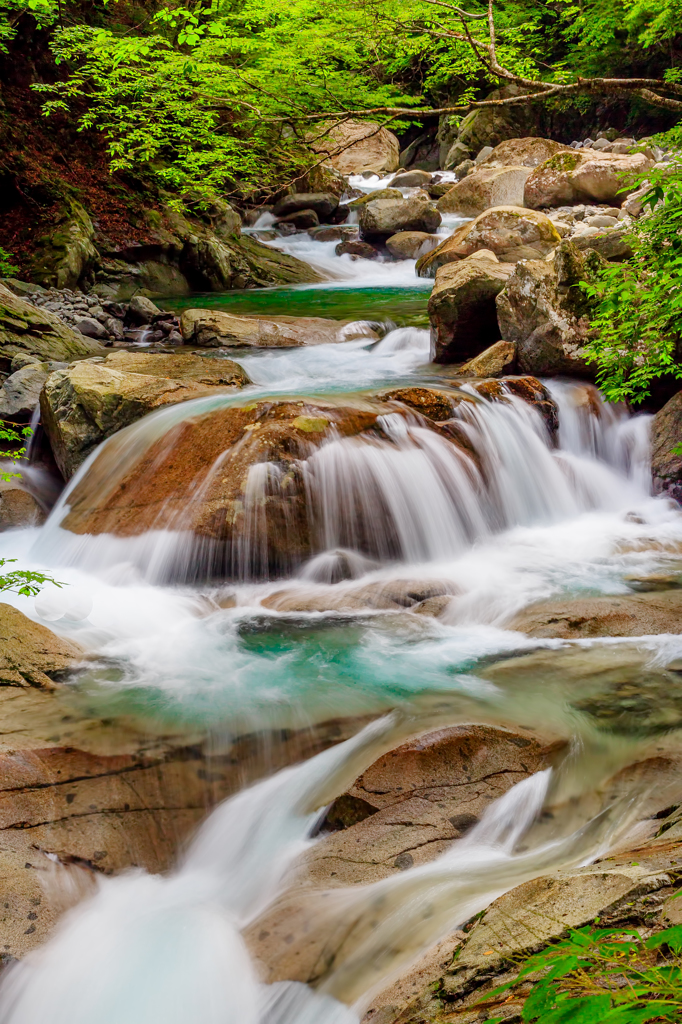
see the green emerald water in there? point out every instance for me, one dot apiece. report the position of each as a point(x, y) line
point(406, 307)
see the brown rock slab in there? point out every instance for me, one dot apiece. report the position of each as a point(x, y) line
point(212, 328)
point(31, 654)
point(495, 361)
point(626, 615)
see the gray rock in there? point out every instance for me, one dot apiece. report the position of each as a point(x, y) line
point(666, 435)
point(411, 179)
point(20, 393)
point(323, 203)
point(357, 248)
point(483, 154)
point(385, 217)
point(142, 310)
point(462, 307)
point(91, 328)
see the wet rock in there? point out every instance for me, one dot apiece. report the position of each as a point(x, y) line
point(381, 218)
point(30, 654)
point(389, 595)
point(212, 329)
point(301, 219)
point(218, 372)
point(456, 155)
point(379, 193)
point(410, 245)
point(419, 799)
point(622, 615)
point(436, 405)
point(66, 254)
point(322, 203)
point(487, 187)
point(363, 250)
point(511, 233)
point(279, 435)
point(545, 312)
point(332, 233)
point(357, 146)
point(411, 179)
point(528, 389)
point(20, 393)
point(462, 308)
point(583, 175)
point(18, 509)
point(666, 462)
point(496, 361)
point(26, 330)
point(528, 152)
point(88, 402)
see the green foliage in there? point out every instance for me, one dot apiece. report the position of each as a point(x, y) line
point(639, 318)
point(7, 268)
point(23, 581)
point(601, 975)
point(8, 435)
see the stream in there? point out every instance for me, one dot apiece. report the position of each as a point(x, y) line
point(178, 646)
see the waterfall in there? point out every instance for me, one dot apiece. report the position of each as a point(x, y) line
point(401, 491)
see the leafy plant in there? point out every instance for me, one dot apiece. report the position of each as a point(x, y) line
point(638, 324)
point(7, 268)
point(8, 435)
point(602, 975)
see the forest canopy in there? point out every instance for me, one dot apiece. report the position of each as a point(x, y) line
point(214, 97)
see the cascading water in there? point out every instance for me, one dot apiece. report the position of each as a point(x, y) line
point(482, 510)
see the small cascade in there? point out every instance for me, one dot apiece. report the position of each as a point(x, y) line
point(401, 491)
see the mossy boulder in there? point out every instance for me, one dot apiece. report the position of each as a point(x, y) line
point(583, 175)
point(545, 312)
point(88, 402)
point(27, 330)
point(66, 255)
point(666, 437)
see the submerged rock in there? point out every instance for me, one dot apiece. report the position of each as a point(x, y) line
point(666, 436)
point(90, 401)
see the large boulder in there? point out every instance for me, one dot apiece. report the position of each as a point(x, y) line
point(66, 254)
point(666, 437)
point(212, 328)
point(381, 218)
point(379, 193)
point(27, 330)
point(528, 152)
point(90, 401)
point(545, 312)
point(356, 146)
point(462, 308)
point(584, 175)
point(509, 232)
point(485, 188)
